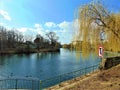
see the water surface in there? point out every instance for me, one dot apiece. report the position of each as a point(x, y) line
point(43, 65)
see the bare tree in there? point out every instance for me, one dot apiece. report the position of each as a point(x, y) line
point(10, 38)
point(52, 37)
point(3, 38)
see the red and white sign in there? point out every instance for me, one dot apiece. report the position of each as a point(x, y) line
point(100, 51)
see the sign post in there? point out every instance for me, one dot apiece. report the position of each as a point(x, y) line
point(100, 51)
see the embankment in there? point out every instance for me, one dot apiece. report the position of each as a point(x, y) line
point(108, 78)
point(109, 62)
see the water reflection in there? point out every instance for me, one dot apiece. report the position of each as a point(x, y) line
point(50, 55)
point(2, 62)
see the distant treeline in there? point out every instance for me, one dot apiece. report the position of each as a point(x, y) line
point(12, 40)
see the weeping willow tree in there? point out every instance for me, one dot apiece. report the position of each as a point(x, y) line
point(97, 26)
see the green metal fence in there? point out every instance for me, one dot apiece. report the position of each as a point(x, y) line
point(67, 76)
point(36, 84)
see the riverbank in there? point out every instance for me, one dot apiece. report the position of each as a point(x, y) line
point(99, 80)
point(12, 51)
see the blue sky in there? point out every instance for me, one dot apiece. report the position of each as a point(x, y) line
point(40, 16)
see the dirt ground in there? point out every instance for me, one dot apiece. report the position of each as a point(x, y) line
point(100, 80)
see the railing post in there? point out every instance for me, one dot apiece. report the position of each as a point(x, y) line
point(40, 84)
point(16, 84)
point(32, 85)
point(85, 71)
point(93, 68)
point(74, 74)
point(59, 78)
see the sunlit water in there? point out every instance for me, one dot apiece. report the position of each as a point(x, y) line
point(44, 65)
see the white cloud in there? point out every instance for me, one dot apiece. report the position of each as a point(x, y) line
point(23, 29)
point(65, 25)
point(1, 24)
point(33, 31)
point(5, 15)
point(64, 30)
point(50, 24)
point(39, 29)
point(38, 25)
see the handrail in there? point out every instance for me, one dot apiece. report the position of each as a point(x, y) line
point(72, 72)
point(36, 84)
point(21, 78)
point(70, 75)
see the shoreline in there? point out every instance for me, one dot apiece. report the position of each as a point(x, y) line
point(28, 51)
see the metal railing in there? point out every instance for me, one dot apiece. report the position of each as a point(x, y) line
point(19, 83)
point(36, 84)
point(67, 76)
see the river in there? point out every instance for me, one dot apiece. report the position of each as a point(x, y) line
point(44, 65)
